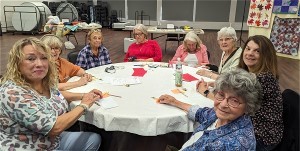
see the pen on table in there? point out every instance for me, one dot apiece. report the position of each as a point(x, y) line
point(97, 103)
point(115, 95)
point(96, 78)
point(107, 93)
point(138, 65)
point(182, 93)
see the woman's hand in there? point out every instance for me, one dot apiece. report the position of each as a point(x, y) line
point(202, 72)
point(91, 97)
point(89, 76)
point(85, 78)
point(201, 86)
point(170, 100)
point(167, 99)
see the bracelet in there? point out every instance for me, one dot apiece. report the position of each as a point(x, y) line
point(84, 106)
point(206, 92)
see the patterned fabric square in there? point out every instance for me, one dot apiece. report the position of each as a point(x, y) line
point(260, 13)
point(285, 6)
point(285, 35)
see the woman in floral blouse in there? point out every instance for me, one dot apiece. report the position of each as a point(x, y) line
point(259, 57)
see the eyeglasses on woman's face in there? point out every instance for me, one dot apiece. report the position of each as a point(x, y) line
point(226, 39)
point(231, 101)
point(137, 34)
point(55, 49)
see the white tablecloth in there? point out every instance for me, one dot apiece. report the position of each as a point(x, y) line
point(137, 112)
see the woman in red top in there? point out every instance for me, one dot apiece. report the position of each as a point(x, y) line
point(143, 50)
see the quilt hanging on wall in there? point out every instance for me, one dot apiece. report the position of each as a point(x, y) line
point(260, 13)
point(285, 35)
point(285, 6)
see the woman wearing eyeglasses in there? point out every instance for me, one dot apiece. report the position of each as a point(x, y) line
point(143, 50)
point(94, 54)
point(230, 55)
point(226, 126)
point(65, 69)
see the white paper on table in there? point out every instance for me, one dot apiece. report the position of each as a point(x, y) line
point(107, 103)
point(124, 81)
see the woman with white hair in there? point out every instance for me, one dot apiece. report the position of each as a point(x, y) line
point(192, 52)
point(230, 56)
point(143, 50)
point(226, 126)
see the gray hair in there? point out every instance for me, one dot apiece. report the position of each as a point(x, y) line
point(244, 85)
point(227, 32)
point(141, 28)
point(192, 36)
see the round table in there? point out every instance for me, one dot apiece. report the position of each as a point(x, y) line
point(137, 111)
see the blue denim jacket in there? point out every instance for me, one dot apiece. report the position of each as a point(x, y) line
point(237, 135)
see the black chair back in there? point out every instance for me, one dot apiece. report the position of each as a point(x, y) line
point(290, 139)
point(72, 56)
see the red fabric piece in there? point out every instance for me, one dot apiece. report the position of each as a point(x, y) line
point(139, 72)
point(188, 78)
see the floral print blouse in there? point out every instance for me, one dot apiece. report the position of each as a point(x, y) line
point(267, 121)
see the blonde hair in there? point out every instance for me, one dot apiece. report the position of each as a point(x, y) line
point(227, 32)
point(192, 36)
point(141, 28)
point(16, 56)
point(52, 41)
point(93, 31)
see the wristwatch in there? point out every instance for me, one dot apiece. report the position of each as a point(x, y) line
point(84, 106)
point(206, 92)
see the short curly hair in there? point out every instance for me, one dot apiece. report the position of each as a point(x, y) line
point(244, 85)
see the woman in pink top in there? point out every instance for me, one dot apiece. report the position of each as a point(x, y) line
point(143, 50)
point(192, 52)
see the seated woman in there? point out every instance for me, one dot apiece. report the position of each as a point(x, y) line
point(94, 54)
point(227, 126)
point(143, 50)
point(32, 110)
point(230, 55)
point(259, 57)
point(66, 69)
point(192, 52)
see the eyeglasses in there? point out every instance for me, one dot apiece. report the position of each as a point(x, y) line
point(137, 34)
point(231, 101)
point(55, 48)
point(110, 69)
point(224, 39)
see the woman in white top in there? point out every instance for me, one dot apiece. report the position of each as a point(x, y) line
point(231, 53)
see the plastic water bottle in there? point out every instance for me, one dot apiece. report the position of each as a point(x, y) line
point(178, 73)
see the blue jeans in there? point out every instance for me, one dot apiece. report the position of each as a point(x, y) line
point(79, 141)
point(260, 146)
